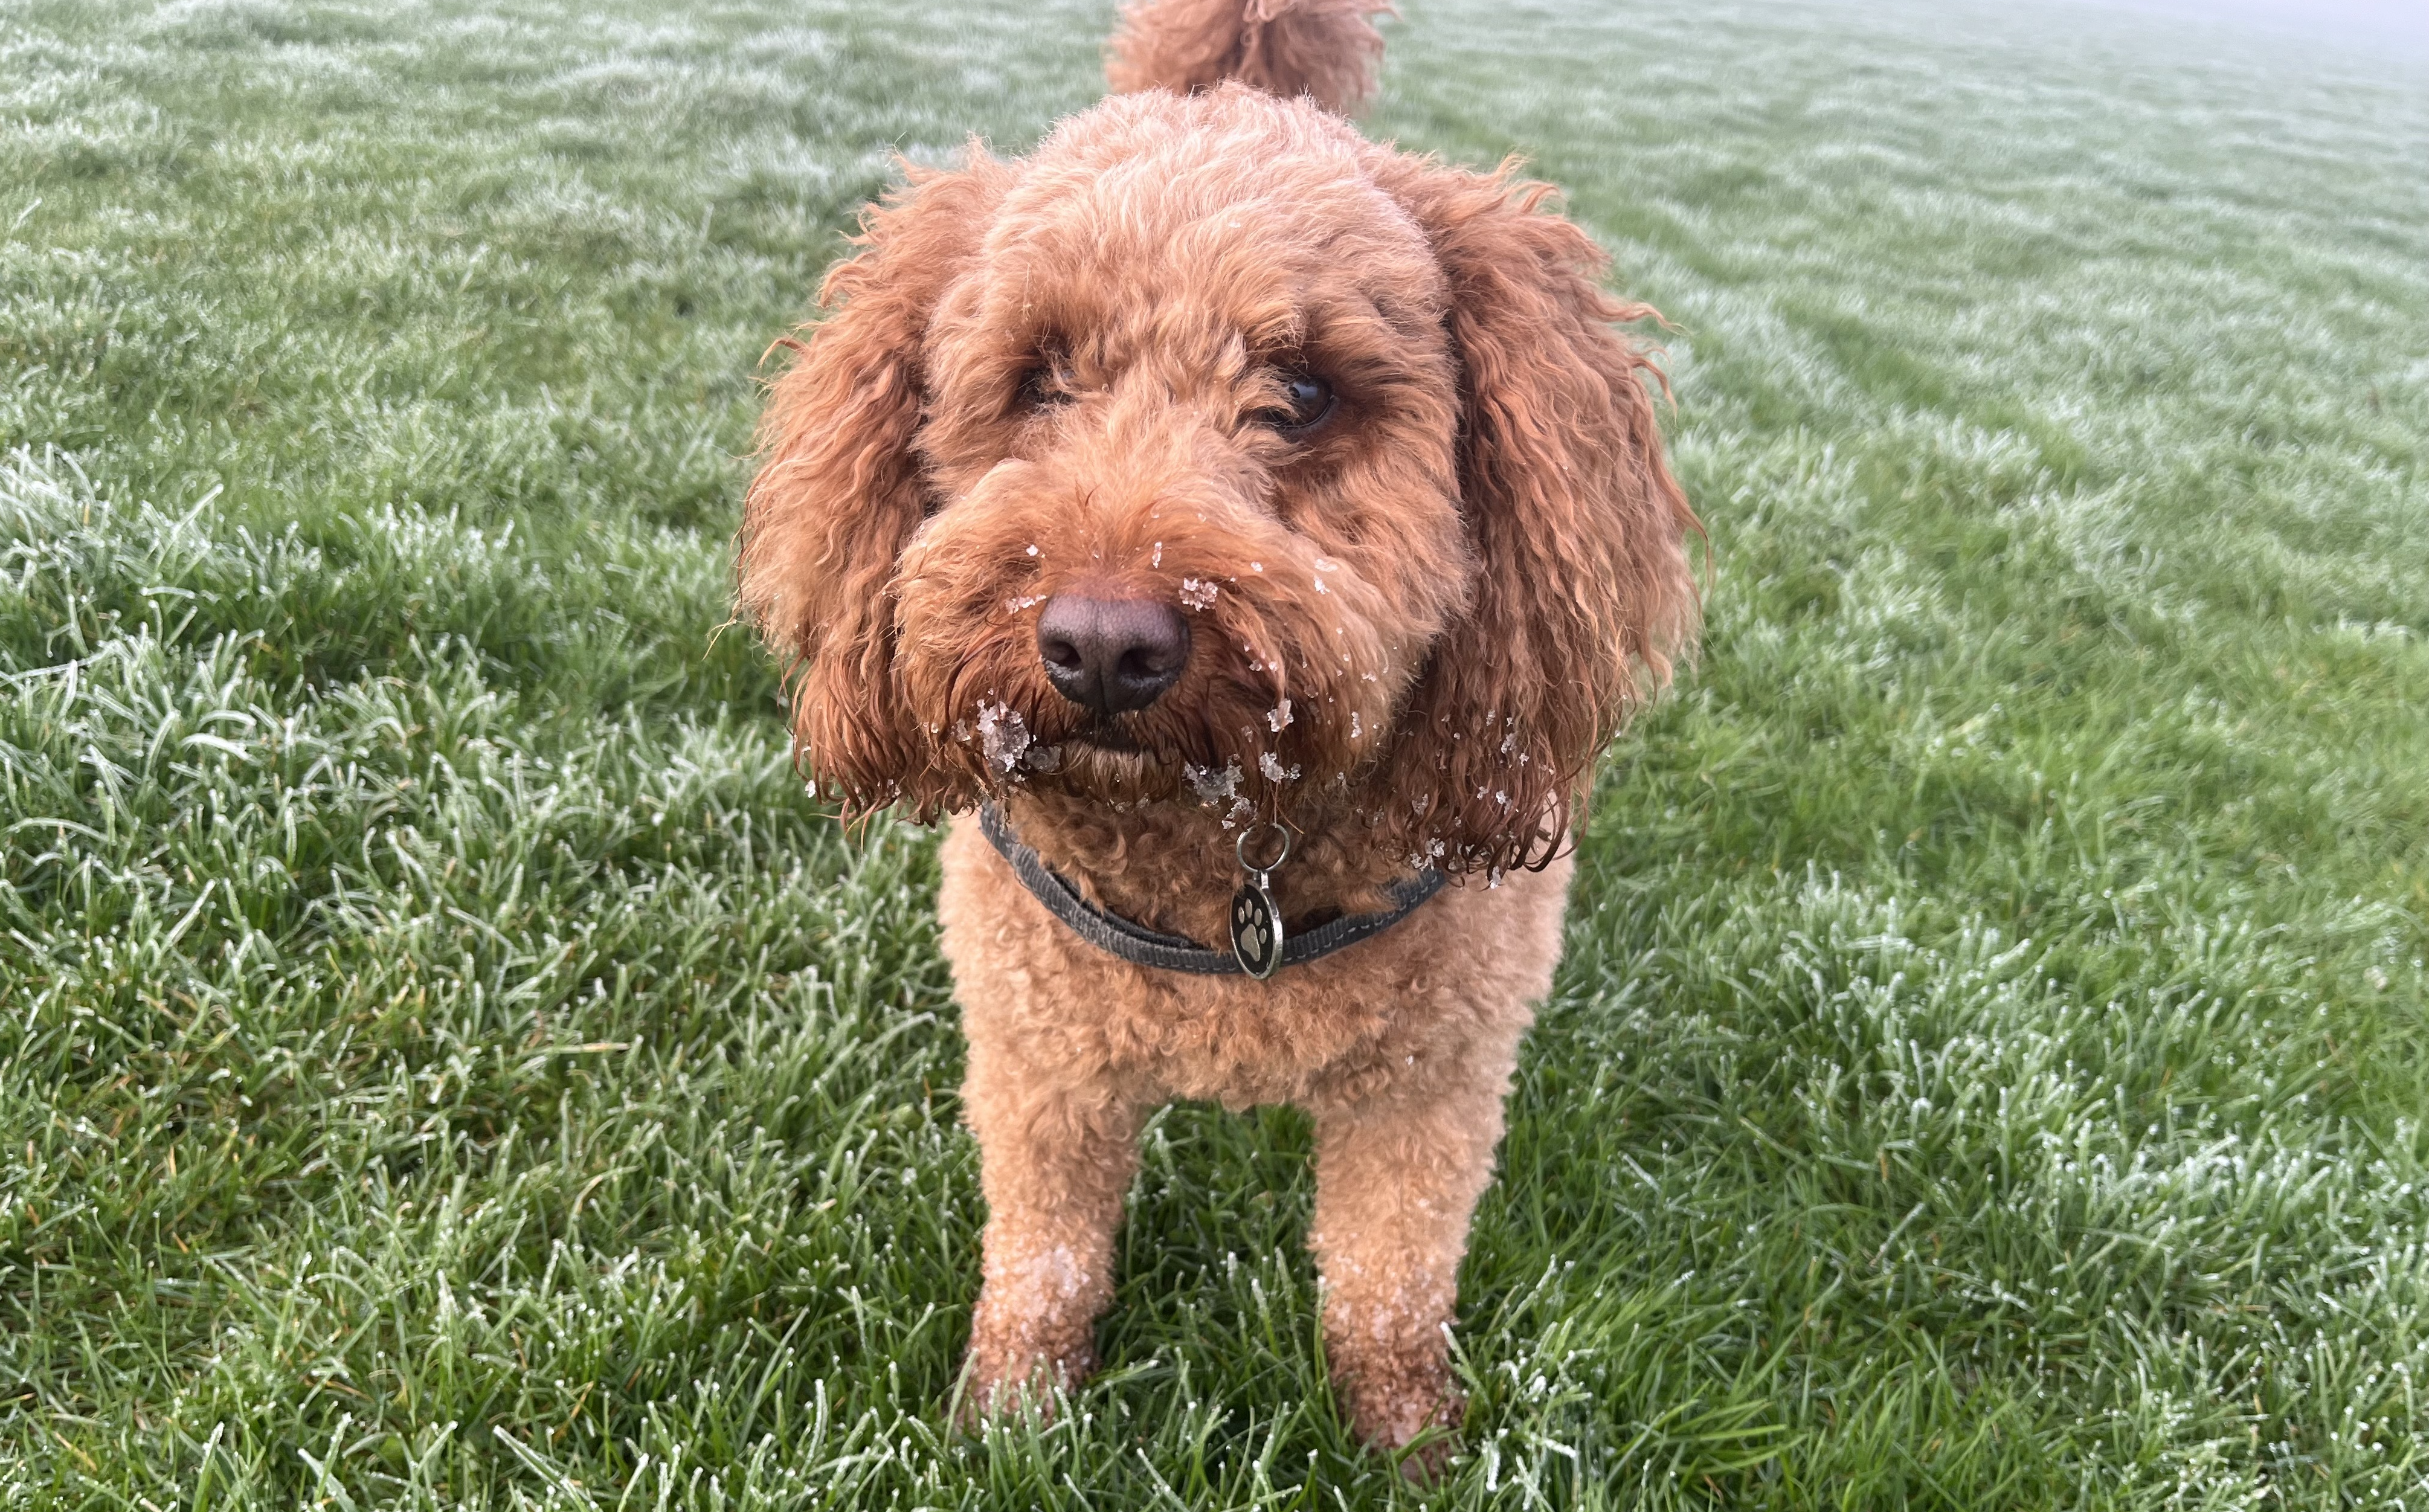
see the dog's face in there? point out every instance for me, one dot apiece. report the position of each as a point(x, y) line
point(1199, 377)
point(1213, 455)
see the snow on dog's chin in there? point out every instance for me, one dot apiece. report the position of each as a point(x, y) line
point(1117, 764)
point(1178, 752)
point(1260, 769)
point(1298, 667)
point(1109, 774)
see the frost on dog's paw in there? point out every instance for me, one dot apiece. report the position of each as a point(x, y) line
point(1403, 1409)
point(1035, 1391)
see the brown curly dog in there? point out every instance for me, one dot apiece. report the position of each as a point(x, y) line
point(1211, 470)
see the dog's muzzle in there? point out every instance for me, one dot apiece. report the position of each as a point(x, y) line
point(1112, 655)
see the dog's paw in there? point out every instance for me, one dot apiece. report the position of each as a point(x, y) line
point(1423, 1465)
point(1390, 1412)
point(1006, 1387)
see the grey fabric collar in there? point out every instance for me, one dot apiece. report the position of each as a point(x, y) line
point(1141, 946)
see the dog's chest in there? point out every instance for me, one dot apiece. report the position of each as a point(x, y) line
point(1337, 1028)
point(1240, 1042)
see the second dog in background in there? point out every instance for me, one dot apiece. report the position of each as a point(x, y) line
point(1257, 526)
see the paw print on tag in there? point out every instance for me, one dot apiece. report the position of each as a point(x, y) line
point(1256, 933)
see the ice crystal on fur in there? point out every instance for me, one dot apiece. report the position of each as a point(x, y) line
point(1212, 786)
point(1002, 735)
point(1196, 594)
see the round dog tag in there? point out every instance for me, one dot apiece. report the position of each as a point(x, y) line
point(1256, 918)
point(1256, 928)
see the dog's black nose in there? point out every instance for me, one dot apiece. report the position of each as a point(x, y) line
point(1111, 654)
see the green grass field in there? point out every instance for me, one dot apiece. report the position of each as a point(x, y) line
point(445, 1060)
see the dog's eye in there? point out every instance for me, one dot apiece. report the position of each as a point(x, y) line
point(1046, 384)
point(1306, 402)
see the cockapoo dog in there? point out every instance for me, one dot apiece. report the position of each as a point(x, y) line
point(1209, 484)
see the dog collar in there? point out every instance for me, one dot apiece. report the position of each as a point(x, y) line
point(1142, 946)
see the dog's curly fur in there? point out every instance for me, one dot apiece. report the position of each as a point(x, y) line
point(1327, 49)
point(1413, 629)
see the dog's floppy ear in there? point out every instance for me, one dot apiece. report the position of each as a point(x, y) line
point(839, 492)
point(1583, 595)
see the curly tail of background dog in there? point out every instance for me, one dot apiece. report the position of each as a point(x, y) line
point(1327, 49)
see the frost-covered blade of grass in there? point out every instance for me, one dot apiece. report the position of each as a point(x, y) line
point(445, 1060)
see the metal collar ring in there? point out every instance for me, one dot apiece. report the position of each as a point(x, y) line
point(1274, 865)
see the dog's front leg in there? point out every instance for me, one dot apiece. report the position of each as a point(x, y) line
point(1055, 1157)
point(1396, 1179)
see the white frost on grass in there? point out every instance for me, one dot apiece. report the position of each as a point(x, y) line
point(2053, 398)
